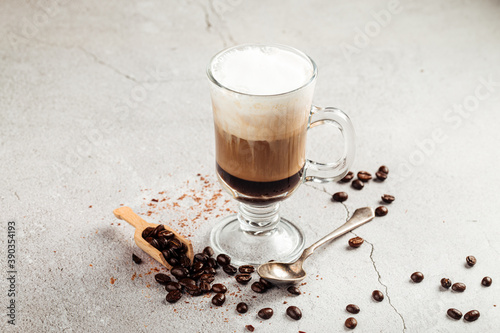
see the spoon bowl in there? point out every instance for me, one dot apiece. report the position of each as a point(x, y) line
point(127, 214)
point(291, 273)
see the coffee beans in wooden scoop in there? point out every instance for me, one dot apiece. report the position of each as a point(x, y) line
point(377, 295)
point(486, 281)
point(454, 313)
point(381, 211)
point(294, 312)
point(340, 196)
point(356, 242)
point(265, 313)
point(417, 277)
point(351, 323)
point(472, 315)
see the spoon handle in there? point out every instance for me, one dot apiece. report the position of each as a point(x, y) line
point(360, 217)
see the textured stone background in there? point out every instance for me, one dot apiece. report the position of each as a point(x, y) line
point(105, 103)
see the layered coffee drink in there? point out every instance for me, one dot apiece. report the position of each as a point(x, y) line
point(261, 113)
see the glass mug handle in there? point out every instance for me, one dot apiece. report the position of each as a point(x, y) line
point(326, 172)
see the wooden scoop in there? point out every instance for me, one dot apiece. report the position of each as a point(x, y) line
point(127, 214)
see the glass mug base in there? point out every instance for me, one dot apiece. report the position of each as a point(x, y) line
point(283, 243)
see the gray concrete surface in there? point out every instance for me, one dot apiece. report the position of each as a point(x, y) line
point(105, 103)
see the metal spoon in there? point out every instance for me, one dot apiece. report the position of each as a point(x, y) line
point(289, 273)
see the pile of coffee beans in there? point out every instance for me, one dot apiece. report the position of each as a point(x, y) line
point(173, 250)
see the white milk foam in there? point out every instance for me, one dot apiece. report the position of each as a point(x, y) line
point(261, 70)
point(262, 73)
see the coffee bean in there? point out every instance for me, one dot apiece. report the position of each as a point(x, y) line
point(183, 248)
point(211, 262)
point(218, 299)
point(293, 290)
point(201, 257)
point(162, 243)
point(187, 282)
point(223, 259)
point(294, 312)
point(162, 278)
point(174, 244)
point(208, 251)
point(169, 286)
point(243, 278)
point(417, 277)
point(265, 283)
point(459, 287)
point(229, 269)
point(207, 278)
point(179, 272)
point(486, 281)
point(384, 169)
point(377, 295)
point(184, 261)
point(173, 296)
point(381, 211)
point(356, 242)
point(472, 315)
point(357, 184)
point(388, 198)
point(197, 275)
point(136, 259)
point(352, 308)
point(219, 288)
point(454, 313)
point(198, 266)
point(205, 286)
point(172, 253)
point(265, 313)
point(246, 269)
point(147, 232)
point(471, 260)
point(351, 323)
point(250, 328)
point(258, 287)
point(173, 261)
point(340, 196)
point(364, 176)
point(348, 177)
point(193, 290)
point(242, 307)
point(159, 227)
point(166, 234)
point(381, 176)
point(154, 243)
point(445, 283)
point(210, 270)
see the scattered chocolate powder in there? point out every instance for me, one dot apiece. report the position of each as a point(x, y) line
point(90, 206)
point(112, 280)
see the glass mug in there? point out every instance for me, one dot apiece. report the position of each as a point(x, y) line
point(262, 107)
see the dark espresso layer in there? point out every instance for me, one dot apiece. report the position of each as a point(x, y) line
point(262, 192)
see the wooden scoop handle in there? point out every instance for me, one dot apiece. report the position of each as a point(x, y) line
point(127, 214)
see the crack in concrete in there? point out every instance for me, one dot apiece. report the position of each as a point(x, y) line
point(379, 277)
point(105, 64)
